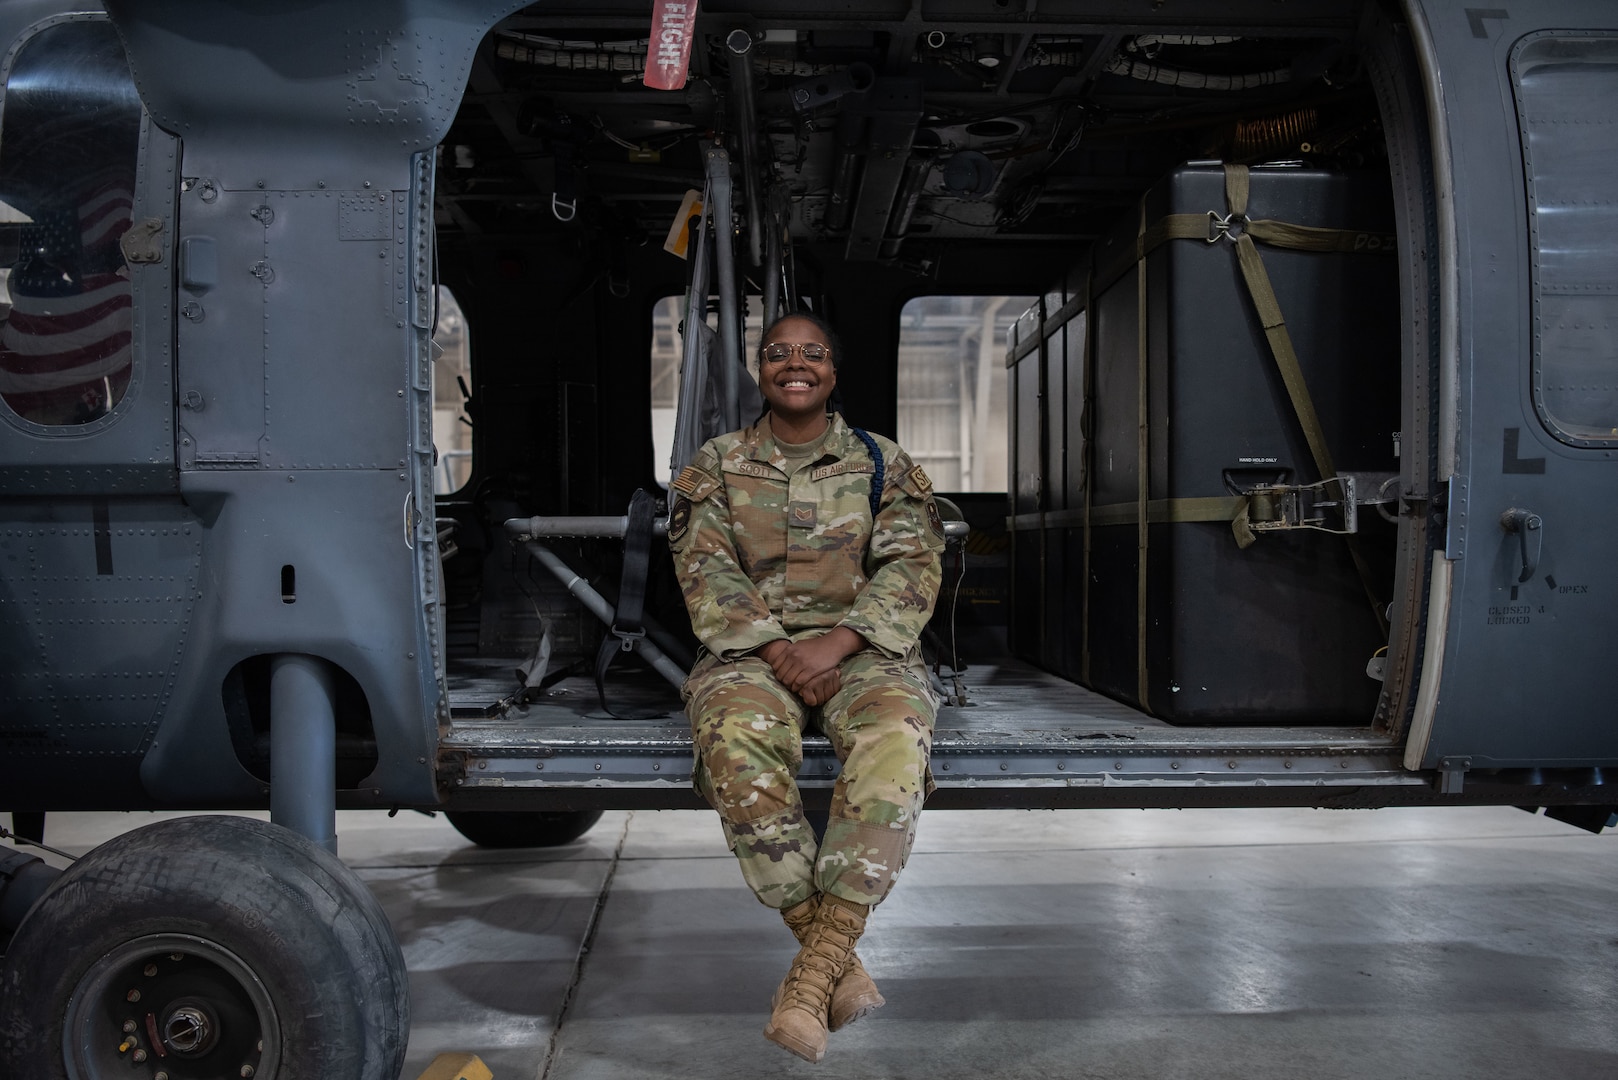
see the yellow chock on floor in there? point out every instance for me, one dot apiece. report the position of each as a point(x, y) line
point(457, 1067)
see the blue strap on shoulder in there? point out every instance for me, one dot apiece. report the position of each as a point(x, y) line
point(877, 476)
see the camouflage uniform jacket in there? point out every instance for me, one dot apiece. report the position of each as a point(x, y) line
point(762, 555)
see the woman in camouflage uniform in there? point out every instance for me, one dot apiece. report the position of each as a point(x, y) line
point(809, 608)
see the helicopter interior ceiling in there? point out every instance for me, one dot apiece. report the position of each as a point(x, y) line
point(892, 137)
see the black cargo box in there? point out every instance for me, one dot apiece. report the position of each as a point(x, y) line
point(1278, 632)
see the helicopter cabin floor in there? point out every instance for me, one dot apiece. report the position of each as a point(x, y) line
point(1008, 702)
point(1025, 738)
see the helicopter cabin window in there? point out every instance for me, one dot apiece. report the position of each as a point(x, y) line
point(667, 346)
point(452, 376)
point(952, 406)
point(1563, 85)
point(69, 141)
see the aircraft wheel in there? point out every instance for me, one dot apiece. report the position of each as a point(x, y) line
point(522, 828)
point(205, 947)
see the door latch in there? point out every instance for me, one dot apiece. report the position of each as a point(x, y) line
point(1530, 530)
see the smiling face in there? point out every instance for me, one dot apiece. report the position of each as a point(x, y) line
point(795, 387)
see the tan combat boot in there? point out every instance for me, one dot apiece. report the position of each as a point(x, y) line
point(856, 994)
point(798, 1023)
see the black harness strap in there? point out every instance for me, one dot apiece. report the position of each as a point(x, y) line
point(628, 625)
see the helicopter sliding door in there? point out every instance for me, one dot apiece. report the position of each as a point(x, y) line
point(1527, 95)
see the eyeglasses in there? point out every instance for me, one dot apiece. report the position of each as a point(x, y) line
point(778, 352)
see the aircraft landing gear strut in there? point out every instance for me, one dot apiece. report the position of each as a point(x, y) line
point(303, 748)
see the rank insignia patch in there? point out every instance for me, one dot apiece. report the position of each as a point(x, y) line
point(933, 520)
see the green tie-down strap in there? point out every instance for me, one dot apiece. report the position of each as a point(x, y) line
point(1238, 510)
point(1286, 361)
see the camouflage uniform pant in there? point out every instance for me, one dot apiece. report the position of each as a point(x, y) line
point(747, 728)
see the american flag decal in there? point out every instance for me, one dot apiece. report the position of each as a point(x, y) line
point(65, 348)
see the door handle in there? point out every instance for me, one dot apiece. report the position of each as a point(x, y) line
point(1530, 530)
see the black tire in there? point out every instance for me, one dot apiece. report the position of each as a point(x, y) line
point(233, 935)
point(522, 828)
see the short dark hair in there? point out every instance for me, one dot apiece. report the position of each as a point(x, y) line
point(832, 340)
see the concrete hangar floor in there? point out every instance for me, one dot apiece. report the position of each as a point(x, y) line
point(1253, 944)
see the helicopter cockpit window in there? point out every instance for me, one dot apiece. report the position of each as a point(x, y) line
point(452, 380)
point(952, 387)
point(1564, 84)
point(69, 141)
point(666, 354)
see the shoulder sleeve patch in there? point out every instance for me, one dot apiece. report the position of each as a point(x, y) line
point(679, 518)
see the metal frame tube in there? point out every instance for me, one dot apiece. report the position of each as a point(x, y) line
point(904, 205)
point(601, 525)
point(840, 207)
point(597, 604)
point(744, 98)
point(790, 301)
point(772, 272)
point(730, 321)
point(693, 364)
point(611, 527)
point(303, 747)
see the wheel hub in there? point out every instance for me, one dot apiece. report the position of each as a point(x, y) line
point(170, 1007)
point(189, 1029)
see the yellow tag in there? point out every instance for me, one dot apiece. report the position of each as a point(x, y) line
point(679, 238)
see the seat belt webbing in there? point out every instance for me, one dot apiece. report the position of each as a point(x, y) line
point(628, 625)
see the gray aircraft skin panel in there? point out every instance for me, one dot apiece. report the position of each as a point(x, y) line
point(301, 195)
point(1528, 673)
point(100, 598)
point(353, 607)
point(285, 166)
point(337, 97)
